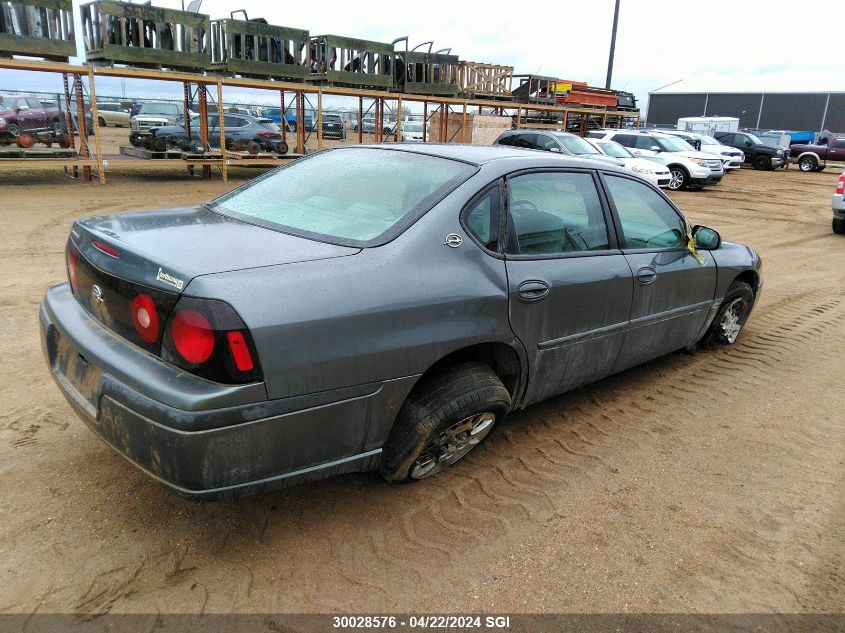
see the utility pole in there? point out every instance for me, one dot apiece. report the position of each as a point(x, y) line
point(612, 46)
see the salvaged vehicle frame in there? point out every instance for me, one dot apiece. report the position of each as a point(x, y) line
point(426, 72)
point(40, 28)
point(146, 36)
point(350, 61)
point(253, 48)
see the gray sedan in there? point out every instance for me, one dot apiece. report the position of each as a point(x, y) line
point(375, 307)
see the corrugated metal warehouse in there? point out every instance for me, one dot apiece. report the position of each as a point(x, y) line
point(764, 110)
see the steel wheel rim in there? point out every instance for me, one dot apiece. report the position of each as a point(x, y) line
point(677, 180)
point(453, 444)
point(730, 323)
point(806, 165)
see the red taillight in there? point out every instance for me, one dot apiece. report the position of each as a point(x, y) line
point(840, 186)
point(269, 134)
point(72, 260)
point(207, 338)
point(192, 336)
point(240, 351)
point(145, 317)
point(111, 251)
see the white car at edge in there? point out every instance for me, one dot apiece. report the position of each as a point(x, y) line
point(649, 170)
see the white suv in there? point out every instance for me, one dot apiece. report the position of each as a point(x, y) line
point(687, 166)
point(732, 158)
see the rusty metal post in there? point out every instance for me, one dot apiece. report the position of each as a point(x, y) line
point(282, 122)
point(464, 125)
point(379, 124)
point(320, 117)
point(397, 136)
point(444, 123)
point(360, 120)
point(83, 124)
point(300, 122)
point(518, 118)
point(203, 98)
point(225, 163)
point(186, 102)
point(95, 121)
point(425, 120)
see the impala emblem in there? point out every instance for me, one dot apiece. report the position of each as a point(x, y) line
point(97, 294)
point(453, 240)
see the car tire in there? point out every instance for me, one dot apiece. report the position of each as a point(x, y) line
point(839, 226)
point(159, 144)
point(762, 163)
point(253, 147)
point(808, 163)
point(135, 139)
point(445, 416)
point(13, 130)
point(282, 148)
point(101, 121)
point(731, 317)
point(679, 178)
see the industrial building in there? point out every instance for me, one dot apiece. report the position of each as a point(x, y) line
point(815, 111)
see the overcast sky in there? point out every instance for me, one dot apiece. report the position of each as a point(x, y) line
point(717, 45)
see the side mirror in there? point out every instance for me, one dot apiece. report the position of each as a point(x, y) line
point(706, 239)
point(748, 143)
point(656, 148)
point(556, 149)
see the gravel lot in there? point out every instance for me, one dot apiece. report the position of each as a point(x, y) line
point(712, 482)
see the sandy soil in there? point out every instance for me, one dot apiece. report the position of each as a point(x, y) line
point(706, 482)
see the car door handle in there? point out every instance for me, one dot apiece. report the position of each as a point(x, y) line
point(533, 290)
point(646, 275)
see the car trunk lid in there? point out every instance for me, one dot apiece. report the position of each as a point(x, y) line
point(166, 249)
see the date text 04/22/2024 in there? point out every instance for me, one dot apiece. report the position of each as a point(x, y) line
point(421, 622)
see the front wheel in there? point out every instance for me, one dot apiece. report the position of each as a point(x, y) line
point(762, 163)
point(731, 318)
point(101, 121)
point(444, 418)
point(679, 178)
point(839, 226)
point(808, 163)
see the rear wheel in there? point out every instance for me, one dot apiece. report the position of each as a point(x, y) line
point(282, 148)
point(839, 226)
point(101, 121)
point(679, 178)
point(13, 130)
point(808, 163)
point(731, 318)
point(253, 147)
point(444, 418)
point(761, 162)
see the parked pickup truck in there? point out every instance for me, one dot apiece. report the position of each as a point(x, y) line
point(27, 114)
point(814, 157)
point(760, 155)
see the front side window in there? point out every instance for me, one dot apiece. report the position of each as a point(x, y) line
point(555, 212)
point(354, 195)
point(647, 220)
point(526, 141)
point(626, 140)
point(482, 219)
point(645, 142)
point(546, 143)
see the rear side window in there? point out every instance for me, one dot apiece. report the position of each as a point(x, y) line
point(482, 218)
point(647, 220)
point(360, 196)
point(628, 140)
point(555, 212)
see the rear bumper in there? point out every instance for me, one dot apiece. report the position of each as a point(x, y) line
point(199, 438)
point(837, 202)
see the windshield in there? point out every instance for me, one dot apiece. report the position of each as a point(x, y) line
point(615, 149)
point(709, 140)
point(413, 127)
point(271, 111)
point(672, 144)
point(353, 195)
point(159, 108)
point(577, 145)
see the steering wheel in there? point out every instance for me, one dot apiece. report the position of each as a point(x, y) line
point(525, 204)
point(671, 237)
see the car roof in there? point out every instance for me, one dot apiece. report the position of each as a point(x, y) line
point(481, 154)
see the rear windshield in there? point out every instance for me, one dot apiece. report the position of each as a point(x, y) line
point(360, 196)
point(577, 145)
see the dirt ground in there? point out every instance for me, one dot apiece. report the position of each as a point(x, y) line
point(712, 482)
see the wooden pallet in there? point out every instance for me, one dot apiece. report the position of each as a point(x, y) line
point(260, 156)
point(171, 154)
point(35, 153)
